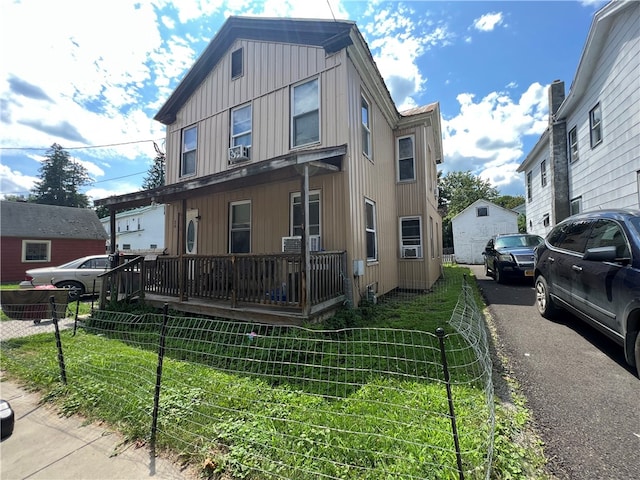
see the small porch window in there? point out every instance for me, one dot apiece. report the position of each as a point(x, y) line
point(314, 213)
point(240, 227)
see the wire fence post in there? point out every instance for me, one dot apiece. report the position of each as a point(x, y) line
point(54, 319)
point(156, 396)
point(452, 415)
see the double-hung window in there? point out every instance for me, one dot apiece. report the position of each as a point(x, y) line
point(529, 187)
point(370, 230)
point(314, 213)
point(366, 127)
point(573, 145)
point(189, 150)
point(543, 173)
point(240, 227)
point(595, 125)
point(305, 113)
point(241, 126)
point(406, 159)
point(411, 237)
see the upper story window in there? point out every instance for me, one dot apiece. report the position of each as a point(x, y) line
point(305, 113)
point(240, 227)
point(237, 63)
point(366, 127)
point(543, 173)
point(189, 149)
point(529, 187)
point(573, 145)
point(482, 211)
point(576, 206)
point(370, 230)
point(595, 125)
point(314, 213)
point(406, 159)
point(241, 126)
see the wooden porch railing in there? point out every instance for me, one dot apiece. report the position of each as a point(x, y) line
point(123, 282)
point(274, 279)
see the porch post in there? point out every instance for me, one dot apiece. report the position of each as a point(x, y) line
point(112, 229)
point(182, 242)
point(306, 260)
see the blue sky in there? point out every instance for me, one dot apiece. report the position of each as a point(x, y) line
point(91, 76)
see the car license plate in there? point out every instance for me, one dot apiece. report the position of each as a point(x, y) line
point(528, 273)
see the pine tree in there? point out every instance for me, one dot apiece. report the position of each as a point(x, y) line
point(60, 179)
point(155, 174)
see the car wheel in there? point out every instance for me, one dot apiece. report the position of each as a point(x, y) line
point(498, 275)
point(76, 290)
point(487, 273)
point(544, 302)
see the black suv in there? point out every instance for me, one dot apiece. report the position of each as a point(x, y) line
point(510, 255)
point(590, 266)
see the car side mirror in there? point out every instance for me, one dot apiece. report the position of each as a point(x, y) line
point(600, 254)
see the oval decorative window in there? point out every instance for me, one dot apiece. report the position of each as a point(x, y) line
point(191, 235)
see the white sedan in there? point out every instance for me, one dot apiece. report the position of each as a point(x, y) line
point(80, 276)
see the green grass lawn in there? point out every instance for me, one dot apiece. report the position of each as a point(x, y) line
point(259, 407)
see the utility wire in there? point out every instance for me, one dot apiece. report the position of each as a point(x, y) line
point(82, 148)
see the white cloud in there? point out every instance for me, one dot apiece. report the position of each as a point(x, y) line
point(13, 182)
point(488, 21)
point(486, 135)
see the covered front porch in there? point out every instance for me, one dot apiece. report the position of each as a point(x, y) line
point(279, 288)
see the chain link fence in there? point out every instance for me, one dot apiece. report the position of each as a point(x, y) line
point(262, 401)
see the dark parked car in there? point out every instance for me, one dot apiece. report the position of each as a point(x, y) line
point(590, 266)
point(510, 255)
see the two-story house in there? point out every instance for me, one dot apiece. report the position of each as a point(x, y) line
point(589, 156)
point(138, 230)
point(287, 159)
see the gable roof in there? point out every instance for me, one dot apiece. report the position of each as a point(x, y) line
point(332, 35)
point(487, 203)
point(599, 32)
point(32, 220)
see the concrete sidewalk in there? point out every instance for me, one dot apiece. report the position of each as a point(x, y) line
point(46, 446)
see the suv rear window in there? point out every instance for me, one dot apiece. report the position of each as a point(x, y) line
point(571, 236)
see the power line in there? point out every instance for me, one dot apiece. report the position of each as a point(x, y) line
point(81, 148)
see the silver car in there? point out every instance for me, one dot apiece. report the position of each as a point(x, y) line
point(80, 276)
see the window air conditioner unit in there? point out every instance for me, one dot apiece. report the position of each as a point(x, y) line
point(314, 243)
point(411, 252)
point(292, 244)
point(239, 153)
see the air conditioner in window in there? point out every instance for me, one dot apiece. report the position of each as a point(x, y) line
point(292, 244)
point(239, 153)
point(314, 243)
point(411, 252)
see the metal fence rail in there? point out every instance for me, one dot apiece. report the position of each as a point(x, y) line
point(257, 401)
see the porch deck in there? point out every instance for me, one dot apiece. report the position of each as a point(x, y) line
point(275, 288)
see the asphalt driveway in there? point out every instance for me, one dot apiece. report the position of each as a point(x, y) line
point(584, 398)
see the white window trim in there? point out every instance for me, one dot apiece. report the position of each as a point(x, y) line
point(296, 195)
point(366, 127)
point(24, 251)
point(573, 152)
point(241, 50)
point(478, 211)
point(250, 131)
point(231, 229)
point(413, 158)
point(420, 245)
point(373, 230)
point(292, 123)
point(543, 173)
point(595, 126)
point(184, 151)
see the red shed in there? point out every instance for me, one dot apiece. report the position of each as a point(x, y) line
point(34, 235)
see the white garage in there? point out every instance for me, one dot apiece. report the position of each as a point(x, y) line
point(475, 225)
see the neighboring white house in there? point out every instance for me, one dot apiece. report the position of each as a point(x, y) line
point(139, 230)
point(589, 156)
point(475, 225)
